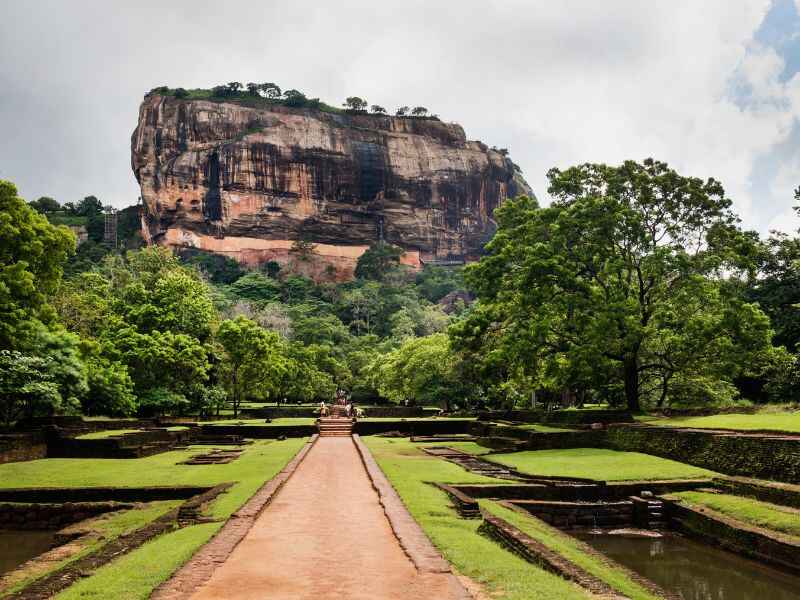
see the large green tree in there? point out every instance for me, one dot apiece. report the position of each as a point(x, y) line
point(586, 292)
point(26, 385)
point(32, 257)
point(378, 262)
point(422, 370)
point(777, 290)
point(254, 363)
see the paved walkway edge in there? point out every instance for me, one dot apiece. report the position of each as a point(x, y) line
point(198, 570)
point(413, 540)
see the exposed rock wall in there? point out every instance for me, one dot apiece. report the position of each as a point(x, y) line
point(247, 182)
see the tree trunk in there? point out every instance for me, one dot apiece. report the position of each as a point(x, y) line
point(631, 369)
point(664, 390)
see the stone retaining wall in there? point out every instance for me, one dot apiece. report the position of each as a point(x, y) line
point(280, 412)
point(767, 491)
point(711, 527)
point(571, 515)
point(536, 440)
point(261, 432)
point(558, 417)
point(100, 494)
point(52, 516)
point(391, 411)
point(78, 422)
point(537, 553)
point(761, 456)
point(18, 447)
point(417, 428)
point(128, 445)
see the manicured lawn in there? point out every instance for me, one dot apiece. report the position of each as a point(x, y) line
point(108, 527)
point(782, 421)
point(505, 575)
point(468, 447)
point(755, 512)
point(263, 423)
point(98, 435)
point(542, 428)
point(259, 462)
point(134, 575)
point(595, 463)
point(570, 548)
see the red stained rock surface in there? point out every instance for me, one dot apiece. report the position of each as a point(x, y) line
point(249, 181)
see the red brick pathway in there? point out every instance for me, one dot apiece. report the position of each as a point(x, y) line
point(325, 536)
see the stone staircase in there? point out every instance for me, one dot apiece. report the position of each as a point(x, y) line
point(335, 425)
point(338, 411)
point(656, 519)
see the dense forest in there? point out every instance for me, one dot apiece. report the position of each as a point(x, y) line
point(106, 331)
point(636, 287)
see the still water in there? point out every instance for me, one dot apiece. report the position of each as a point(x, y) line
point(696, 571)
point(16, 547)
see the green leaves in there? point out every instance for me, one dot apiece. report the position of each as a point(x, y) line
point(378, 262)
point(253, 365)
point(617, 282)
point(32, 257)
point(26, 383)
point(421, 369)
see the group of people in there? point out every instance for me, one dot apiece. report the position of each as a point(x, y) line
point(341, 399)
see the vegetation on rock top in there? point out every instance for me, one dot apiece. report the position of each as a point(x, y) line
point(270, 94)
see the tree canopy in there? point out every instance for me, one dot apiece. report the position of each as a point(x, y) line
point(616, 286)
point(32, 257)
point(378, 262)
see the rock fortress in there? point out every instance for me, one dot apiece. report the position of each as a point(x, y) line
point(249, 182)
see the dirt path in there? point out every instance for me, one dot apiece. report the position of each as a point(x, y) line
point(324, 536)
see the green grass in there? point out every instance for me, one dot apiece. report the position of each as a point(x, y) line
point(69, 220)
point(754, 512)
point(118, 523)
point(783, 421)
point(133, 576)
point(109, 526)
point(262, 422)
point(99, 435)
point(504, 574)
point(595, 463)
point(136, 574)
point(159, 469)
point(468, 447)
point(570, 548)
point(542, 428)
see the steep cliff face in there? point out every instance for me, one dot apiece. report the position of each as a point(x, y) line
point(248, 182)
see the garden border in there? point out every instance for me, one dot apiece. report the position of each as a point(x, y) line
point(200, 567)
point(61, 578)
point(413, 540)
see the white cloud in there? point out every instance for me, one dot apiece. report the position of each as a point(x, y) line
point(555, 82)
point(786, 181)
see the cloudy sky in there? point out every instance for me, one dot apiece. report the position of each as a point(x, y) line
point(709, 86)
